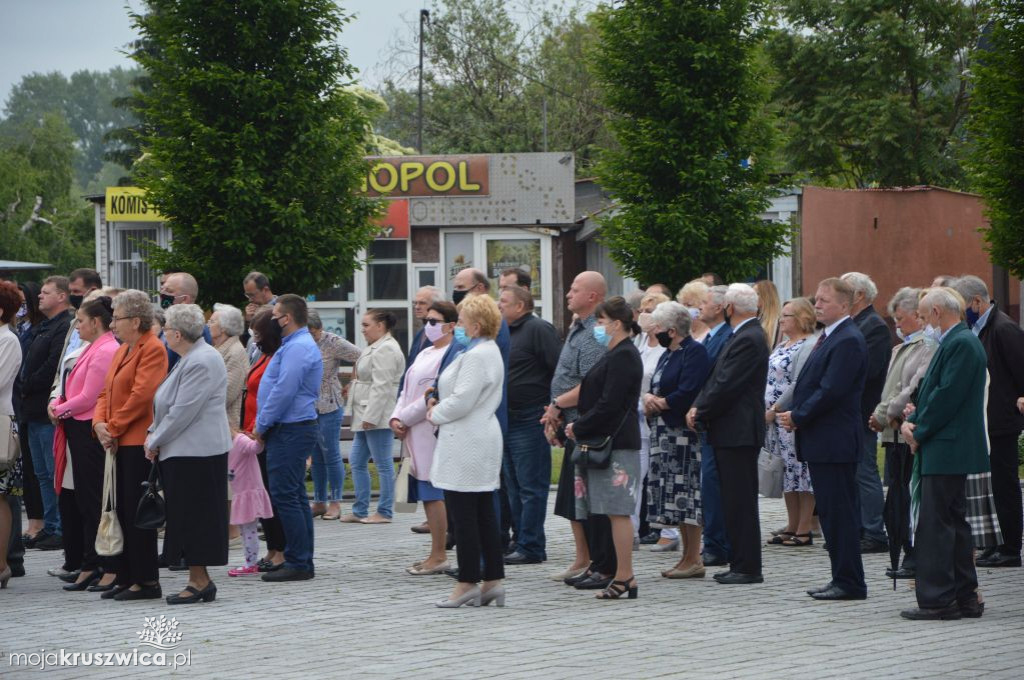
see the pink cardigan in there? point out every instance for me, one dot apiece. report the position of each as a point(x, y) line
point(85, 382)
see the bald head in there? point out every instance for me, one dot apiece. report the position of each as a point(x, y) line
point(587, 291)
point(182, 286)
point(472, 281)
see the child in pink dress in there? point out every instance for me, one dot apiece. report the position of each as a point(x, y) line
point(250, 501)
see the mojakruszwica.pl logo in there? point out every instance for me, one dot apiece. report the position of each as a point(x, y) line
point(159, 634)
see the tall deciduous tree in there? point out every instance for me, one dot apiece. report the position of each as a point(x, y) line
point(997, 133)
point(254, 146)
point(688, 176)
point(875, 92)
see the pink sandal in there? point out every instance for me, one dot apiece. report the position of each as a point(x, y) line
point(244, 571)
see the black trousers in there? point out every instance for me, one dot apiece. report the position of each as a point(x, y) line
point(838, 499)
point(32, 498)
point(598, 530)
point(71, 526)
point(87, 459)
point(737, 473)
point(272, 527)
point(477, 535)
point(899, 464)
point(945, 559)
point(1006, 492)
point(138, 562)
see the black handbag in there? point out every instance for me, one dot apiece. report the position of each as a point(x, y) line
point(152, 510)
point(596, 454)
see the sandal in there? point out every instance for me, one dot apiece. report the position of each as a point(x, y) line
point(616, 589)
point(780, 538)
point(797, 540)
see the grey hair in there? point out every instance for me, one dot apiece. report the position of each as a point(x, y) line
point(436, 294)
point(136, 304)
point(313, 320)
point(158, 314)
point(970, 286)
point(742, 297)
point(943, 299)
point(716, 294)
point(634, 299)
point(861, 283)
point(259, 279)
point(905, 299)
point(672, 315)
point(230, 320)
point(187, 320)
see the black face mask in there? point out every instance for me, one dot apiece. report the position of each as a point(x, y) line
point(166, 300)
point(458, 296)
point(76, 300)
point(728, 317)
point(664, 339)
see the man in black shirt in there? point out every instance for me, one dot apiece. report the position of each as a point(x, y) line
point(526, 470)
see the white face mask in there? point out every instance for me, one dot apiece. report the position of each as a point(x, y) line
point(932, 332)
point(900, 334)
point(694, 312)
point(645, 322)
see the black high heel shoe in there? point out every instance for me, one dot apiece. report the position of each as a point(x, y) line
point(92, 579)
point(207, 594)
point(616, 589)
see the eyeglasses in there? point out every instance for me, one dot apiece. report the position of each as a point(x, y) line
point(434, 322)
point(250, 296)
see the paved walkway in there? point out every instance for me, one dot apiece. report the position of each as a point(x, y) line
point(364, 617)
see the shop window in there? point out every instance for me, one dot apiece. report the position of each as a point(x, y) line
point(387, 271)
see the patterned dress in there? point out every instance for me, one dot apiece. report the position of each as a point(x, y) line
point(778, 440)
point(673, 484)
point(10, 480)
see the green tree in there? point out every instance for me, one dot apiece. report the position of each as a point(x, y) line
point(874, 92)
point(254, 146)
point(688, 175)
point(997, 133)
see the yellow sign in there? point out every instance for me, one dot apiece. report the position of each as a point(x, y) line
point(128, 204)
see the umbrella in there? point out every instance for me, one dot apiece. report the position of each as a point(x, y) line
point(896, 513)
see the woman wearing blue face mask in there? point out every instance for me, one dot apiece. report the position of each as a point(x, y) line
point(607, 408)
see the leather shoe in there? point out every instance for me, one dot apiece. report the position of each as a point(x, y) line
point(710, 560)
point(868, 545)
point(950, 613)
point(287, 574)
point(578, 578)
point(837, 593)
point(737, 578)
point(902, 572)
point(453, 573)
point(971, 609)
point(520, 558)
point(151, 592)
point(651, 538)
point(827, 586)
point(595, 582)
point(113, 592)
point(998, 559)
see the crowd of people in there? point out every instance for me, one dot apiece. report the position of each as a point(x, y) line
point(667, 408)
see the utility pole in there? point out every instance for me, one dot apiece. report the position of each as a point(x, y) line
point(424, 19)
point(544, 118)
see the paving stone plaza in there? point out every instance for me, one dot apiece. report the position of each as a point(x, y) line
point(364, 617)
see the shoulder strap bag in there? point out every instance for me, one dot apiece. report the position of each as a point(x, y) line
point(151, 512)
point(596, 453)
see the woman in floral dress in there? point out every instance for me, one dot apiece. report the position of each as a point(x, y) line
point(784, 365)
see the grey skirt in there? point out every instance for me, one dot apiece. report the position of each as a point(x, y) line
point(612, 491)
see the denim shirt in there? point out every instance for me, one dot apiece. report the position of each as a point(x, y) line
point(291, 385)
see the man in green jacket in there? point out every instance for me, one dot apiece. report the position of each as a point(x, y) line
point(947, 433)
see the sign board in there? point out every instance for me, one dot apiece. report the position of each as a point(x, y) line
point(396, 176)
point(128, 204)
point(395, 222)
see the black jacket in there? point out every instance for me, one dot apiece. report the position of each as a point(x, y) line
point(730, 407)
point(532, 358)
point(879, 341)
point(1003, 341)
point(608, 396)
point(40, 365)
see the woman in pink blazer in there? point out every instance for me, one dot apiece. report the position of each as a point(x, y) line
point(409, 423)
point(74, 408)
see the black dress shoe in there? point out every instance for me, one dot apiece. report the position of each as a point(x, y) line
point(837, 593)
point(71, 576)
point(152, 592)
point(207, 594)
point(902, 572)
point(868, 545)
point(595, 582)
point(287, 574)
point(113, 592)
point(988, 552)
point(267, 565)
point(519, 558)
point(998, 559)
point(710, 560)
point(100, 589)
point(822, 589)
point(651, 538)
point(573, 580)
point(50, 542)
point(950, 613)
point(971, 609)
point(737, 578)
point(84, 584)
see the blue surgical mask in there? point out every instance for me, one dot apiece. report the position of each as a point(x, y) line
point(460, 336)
point(972, 317)
point(601, 335)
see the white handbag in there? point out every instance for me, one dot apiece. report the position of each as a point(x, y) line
point(10, 445)
point(402, 481)
point(109, 537)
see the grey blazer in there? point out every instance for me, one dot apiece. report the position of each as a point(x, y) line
point(189, 416)
point(785, 400)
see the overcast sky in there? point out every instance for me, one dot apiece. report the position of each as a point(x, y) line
point(71, 35)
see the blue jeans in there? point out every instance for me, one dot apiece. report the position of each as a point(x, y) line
point(40, 441)
point(288, 446)
point(328, 468)
point(526, 469)
point(869, 484)
point(375, 443)
point(716, 543)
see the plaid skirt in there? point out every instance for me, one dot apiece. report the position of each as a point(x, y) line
point(981, 511)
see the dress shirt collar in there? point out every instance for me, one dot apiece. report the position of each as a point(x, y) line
point(829, 329)
point(982, 320)
point(743, 323)
point(714, 331)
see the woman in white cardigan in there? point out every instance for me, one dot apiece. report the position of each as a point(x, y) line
point(467, 459)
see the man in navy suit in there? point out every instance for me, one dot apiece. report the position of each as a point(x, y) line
point(830, 437)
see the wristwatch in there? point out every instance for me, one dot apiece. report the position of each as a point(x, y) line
point(555, 404)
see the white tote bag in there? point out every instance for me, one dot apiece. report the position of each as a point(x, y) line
point(109, 537)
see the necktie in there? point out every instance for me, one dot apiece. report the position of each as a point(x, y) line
point(821, 339)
